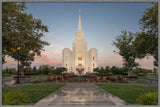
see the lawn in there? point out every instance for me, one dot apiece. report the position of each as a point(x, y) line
point(35, 92)
point(128, 93)
point(40, 76)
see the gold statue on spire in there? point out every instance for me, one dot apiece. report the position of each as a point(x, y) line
point(79, 10)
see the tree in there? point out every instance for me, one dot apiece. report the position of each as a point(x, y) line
point(40, 70)
point(46, 69)
point(125, 48)
point(21, 31)
point(34, 69)
point(28, 69)
point(107, 69)
point(146, 42)
point(102, 70)
point(60, 70)
point(96, 70)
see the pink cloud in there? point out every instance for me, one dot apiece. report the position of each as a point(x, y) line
point(54, 59)
point(43, 55)
point(116, 56)
point(39, 60)
point(45, 60)
point(55, 53)
point(116, 60)
point(146, 62)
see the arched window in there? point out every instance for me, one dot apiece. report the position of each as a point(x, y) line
point(93, 65)
point(66, 65)
point(79, 55)
point(93, 58)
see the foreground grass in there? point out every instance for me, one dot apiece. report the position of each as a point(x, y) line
point(34, 92)
point(128, 93)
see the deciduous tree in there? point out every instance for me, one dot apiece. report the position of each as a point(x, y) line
point(146, 42)
point(21, 34)
point(125, 48)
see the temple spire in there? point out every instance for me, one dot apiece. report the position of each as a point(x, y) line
point(79, 25)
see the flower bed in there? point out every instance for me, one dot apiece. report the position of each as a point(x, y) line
point(65, 78)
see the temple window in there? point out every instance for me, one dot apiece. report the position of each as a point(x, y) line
point(93, 58)
point(79, 64)
point(79, 56)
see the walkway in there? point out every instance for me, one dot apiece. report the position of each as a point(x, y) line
point(81, 94)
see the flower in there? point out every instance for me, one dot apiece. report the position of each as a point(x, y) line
point(37, 78)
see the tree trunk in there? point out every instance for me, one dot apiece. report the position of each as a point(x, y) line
point(22, 71)
point(129, 73)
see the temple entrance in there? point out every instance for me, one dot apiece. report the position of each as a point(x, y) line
point(80, 70)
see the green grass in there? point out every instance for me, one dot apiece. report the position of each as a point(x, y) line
point(128, 93)
point(40, 76)
point(35, 92)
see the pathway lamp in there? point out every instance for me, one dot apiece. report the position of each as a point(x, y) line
point(17, 50)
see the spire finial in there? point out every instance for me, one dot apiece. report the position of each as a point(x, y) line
point(79, 25)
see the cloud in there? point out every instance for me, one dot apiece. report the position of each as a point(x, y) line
point(45, 60)
point(56, 53)
point(116, 60)
point(10, 62)
point(51, 45)
point(146, 62)
point(54, 58)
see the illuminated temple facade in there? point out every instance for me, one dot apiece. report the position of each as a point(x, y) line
point(79, 60)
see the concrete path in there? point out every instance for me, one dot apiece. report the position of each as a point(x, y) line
point(81, 94)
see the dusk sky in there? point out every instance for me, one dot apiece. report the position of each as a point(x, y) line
point(101, 23)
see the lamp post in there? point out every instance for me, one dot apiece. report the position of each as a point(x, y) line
point(14, 50)
point(18, 65)
point(18, 70)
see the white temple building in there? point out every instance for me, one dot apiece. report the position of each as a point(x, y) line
point(79, 60)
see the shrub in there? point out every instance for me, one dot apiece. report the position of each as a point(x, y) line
point(49, 74)
point(54, 78)
point(27, 76)
point(36, 81)
point(71, 76)
point(141, 74)
point(91, 80)
point(85, 80)
point(48, 78)
point(14, 97)
point(113, 79)
point(59, 77)
point(92, 76)
point(101, 78)
point(150, 98)
point(110, 74)
point(65, 77)
point(31, 73)
point(107, 78)
point(84, 76)
point(95, 79)
point(6, 75)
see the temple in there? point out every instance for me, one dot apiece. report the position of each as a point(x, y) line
point(79, 60)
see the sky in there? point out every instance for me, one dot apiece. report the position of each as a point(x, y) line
point(101, 23)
